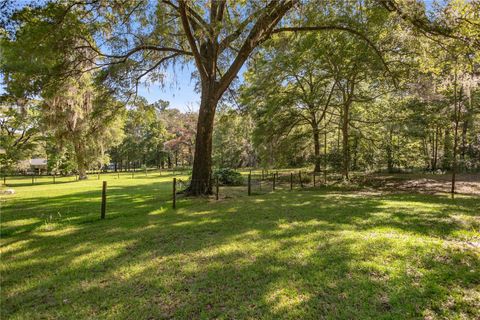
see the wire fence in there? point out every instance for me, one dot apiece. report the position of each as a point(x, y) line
point(112, 194)
point(16, 180)
point(256, 183)
point(59, 199)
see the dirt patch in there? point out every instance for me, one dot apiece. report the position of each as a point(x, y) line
point(466, 183)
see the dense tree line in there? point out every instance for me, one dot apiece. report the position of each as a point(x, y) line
point(417, 108)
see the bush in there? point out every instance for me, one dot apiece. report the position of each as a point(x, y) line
point(228, 177)
point(306, 179)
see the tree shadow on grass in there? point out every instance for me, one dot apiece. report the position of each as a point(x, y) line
point(428, 215)
point(284, 255)
point(25, 215)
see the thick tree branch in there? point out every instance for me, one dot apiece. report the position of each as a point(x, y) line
point(192, 13)
point(213, 11)
point(225, 43)
point(129, 53)
point(191, 40)
point(262, 29)
point(221, 10)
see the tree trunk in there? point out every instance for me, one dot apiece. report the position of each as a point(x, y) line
point(435, 149)
point(80, 156)
point(190, 155)
point(455, 137)
point(464, 139)
point(432, 144)
point(355, 152)
point(345, 134)
point(390, 151)
point(316, 142)
point(202, 162)
point(325, 151)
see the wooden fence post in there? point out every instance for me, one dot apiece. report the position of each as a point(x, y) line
point(300, 178)
point(4, 180)
point(249, 184)
point(54, 179)
point(174, 193)
point(98, 175)
point(291, 180)
point(118, 175)
point(216, 188)
point(314, 179)
point(273, 187)
point(104, 200)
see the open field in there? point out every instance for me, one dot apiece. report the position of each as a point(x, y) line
point(323, 253)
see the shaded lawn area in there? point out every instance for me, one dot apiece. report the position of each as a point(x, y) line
point(302, 254)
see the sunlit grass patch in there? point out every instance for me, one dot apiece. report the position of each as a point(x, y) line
point(310, 254)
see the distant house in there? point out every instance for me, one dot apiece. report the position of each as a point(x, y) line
point(36, 165)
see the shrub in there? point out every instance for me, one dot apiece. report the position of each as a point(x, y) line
point(306, 179)
point(228, 176)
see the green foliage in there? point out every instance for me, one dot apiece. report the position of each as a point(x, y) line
point(60, 158)
point(84, 116)
point(42, 50)
point(181, 140)
point(145, 134)
point(232, 139)
point(19, 131)
point(228, 177)
point(44, 57)
point(390, 108)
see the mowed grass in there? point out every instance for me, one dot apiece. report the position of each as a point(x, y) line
point(303, 254)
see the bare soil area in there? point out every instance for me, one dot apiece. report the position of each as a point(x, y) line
point(427, 183)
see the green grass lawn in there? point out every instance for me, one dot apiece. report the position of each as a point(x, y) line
point(302, 254)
